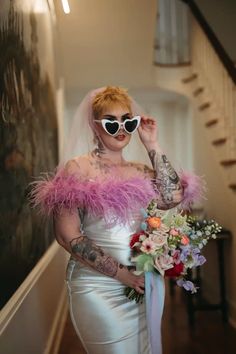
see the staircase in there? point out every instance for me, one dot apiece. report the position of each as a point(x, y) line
point(211, 84)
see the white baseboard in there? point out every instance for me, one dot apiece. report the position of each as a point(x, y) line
point(11, 307)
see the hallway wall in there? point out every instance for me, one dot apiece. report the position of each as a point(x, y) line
point(107, 42)
point(173, 113)
point(31, 320)
point(220, 205)
point(221, 201)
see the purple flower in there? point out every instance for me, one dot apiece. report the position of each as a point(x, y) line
point(185, 252)
point(195, 251)
point(199, 260)
point(187, 285)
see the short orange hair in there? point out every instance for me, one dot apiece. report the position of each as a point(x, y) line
point(111, 96)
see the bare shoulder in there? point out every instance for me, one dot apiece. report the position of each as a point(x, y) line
point(78, 166)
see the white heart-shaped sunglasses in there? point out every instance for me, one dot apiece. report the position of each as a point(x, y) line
point(112, 127)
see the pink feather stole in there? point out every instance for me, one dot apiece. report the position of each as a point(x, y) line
point(194, 188)
point(114, 199)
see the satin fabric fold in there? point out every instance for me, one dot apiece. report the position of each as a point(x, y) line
point(103, 317)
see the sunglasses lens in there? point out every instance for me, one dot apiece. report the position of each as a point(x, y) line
point(131, 125)
point(112, 127)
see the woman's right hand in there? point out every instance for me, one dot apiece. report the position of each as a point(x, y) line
point(128, 278)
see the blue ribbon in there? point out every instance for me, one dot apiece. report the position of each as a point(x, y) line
point(154, 297)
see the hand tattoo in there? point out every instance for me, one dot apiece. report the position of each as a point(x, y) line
point(166, 181)
point(94, 256)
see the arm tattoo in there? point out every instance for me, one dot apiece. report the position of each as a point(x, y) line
point(166, 180)
point(90, 253)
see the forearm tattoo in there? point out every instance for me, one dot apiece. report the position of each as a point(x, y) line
point(166, 180)
point(90, 253)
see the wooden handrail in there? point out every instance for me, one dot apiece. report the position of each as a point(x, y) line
point(224, 57)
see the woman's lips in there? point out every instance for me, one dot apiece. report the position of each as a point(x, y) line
point(120, 137)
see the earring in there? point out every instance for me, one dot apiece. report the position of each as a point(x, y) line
point(99, 149)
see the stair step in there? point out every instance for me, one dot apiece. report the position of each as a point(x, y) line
point(219, 141)
point(230, 162)
point(204, 106)
point(190, 78)
point(233, 186)
point(198, 91)
point(211, 122)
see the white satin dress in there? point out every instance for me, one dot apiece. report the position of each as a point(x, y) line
point(104, 319)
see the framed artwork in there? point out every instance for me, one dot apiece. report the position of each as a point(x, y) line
point(28, 134)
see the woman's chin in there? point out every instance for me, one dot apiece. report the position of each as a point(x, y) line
point(116, 143)
point(120, 144)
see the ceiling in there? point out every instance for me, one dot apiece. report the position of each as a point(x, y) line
point(104, 42)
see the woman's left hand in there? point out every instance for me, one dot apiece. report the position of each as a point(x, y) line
point(148, 131)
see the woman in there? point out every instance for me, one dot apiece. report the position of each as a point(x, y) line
point(109, 192)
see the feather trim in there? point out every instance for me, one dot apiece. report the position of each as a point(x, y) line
point(113, 199)
point(194, 188)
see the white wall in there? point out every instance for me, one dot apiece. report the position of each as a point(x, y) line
point(174, 118)
point(221, 201)
point(107, 42)
point(220, 205)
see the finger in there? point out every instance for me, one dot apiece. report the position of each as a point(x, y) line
point(144, 120)
point(141, 284)
point(151, 120)
point(147, 120)
point(146, 125)
point(139, 290)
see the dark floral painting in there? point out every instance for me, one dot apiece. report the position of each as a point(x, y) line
point(28, 140)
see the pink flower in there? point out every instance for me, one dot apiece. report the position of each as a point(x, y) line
point(158, 238)
point(163, 262)
point(176, 256)
point(148, 246)
point(174, 232)
point(184, 240)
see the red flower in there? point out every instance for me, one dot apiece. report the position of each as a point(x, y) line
point(175, 271)
point(134, 239)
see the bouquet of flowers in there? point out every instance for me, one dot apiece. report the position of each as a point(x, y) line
point(169, 243)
